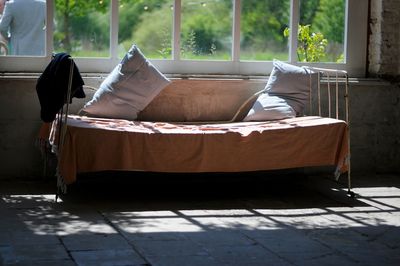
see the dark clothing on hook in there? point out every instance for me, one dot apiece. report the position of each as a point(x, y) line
point(52, 86)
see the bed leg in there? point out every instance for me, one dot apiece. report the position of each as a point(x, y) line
point(350, 193)
point(61, 187)
point(56, 197)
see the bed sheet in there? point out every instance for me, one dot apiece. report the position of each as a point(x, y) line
point(96, 144)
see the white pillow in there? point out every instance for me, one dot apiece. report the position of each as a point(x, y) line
point(268, 107)
point(291, 83)
point(128, 89)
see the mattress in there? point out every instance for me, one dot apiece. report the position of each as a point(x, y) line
point(97, 144)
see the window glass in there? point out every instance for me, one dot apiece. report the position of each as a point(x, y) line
point(22, 28)
point(206, 30)
point(82, 28)
point(148, 24)
point(321, 31)
point(262, 28)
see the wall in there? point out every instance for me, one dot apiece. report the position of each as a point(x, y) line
point(375, 126)
point(384, 40)
point(19, 126)
point(375, 107)
point(384, 62)
point(374, 115)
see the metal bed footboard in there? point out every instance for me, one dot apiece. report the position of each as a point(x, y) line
point(62, 118)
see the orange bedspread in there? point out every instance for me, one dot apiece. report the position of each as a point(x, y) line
point(95, 144)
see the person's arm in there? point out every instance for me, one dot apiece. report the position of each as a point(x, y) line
point(5, 20)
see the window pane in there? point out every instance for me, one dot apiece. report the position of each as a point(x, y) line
point(82, 27)
point(206, 31)
point(22, 27)
point(148, 24)
point(262, 29)
point(322, 22)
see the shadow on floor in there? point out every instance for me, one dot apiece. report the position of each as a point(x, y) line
point(210, 190)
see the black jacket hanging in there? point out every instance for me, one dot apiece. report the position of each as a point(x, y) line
point(52, 86)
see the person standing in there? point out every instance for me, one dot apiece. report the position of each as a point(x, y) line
point(2, 4)
point(23, 24)
point(3, 40)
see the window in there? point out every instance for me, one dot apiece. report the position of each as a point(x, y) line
point(206, 30)
point(262, 24)
point(82, 28)
point(148, 24)
point(236, 37)
point(325, 32)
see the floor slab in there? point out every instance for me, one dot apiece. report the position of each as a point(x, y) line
point(289, 220)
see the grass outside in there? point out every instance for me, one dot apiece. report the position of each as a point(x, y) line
point(218, 56)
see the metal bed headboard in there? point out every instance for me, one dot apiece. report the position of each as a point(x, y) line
point(330, 98)
point(336, 83)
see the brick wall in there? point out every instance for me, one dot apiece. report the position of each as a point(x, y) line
point(384, 39)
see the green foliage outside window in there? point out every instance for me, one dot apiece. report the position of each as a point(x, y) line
point(311, 46)
point(83, 28)
point(75, 18)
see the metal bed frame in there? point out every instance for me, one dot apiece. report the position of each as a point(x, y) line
point(332, 79)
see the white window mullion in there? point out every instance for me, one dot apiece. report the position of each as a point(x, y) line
point(236, 30)
point(114, 30)
point(346, 30)
point(49, 28)
point(176, 31)
point(294, 22)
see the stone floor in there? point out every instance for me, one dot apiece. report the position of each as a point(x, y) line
point(201, 220)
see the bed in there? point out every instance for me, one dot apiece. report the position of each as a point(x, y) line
point(174, 147)
point(318, 137)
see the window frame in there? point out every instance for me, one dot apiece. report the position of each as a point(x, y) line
point(355, 47)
